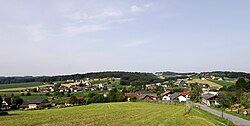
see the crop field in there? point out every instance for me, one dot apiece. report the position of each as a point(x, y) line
point(18, 86)
point(210, 83)
point(127, 114)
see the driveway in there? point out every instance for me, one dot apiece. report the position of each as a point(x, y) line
point(238, 121)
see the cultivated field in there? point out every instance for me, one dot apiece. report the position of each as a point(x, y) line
point(20, 86)
point(139, 113)
point(210, 83)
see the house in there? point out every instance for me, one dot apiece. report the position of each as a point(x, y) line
point(148, 97)
point(33, 104)
point(166, 96)
point(210, 99)
point(246, 112)
point(165, 93)
point(184, 95)
point(6, 101)
point(68, 101)
point(174, 96)
point(150, 87)
point(131, 95)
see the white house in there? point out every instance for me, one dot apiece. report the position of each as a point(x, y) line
point(166, 98)
point(33, 104)
point(182, 98)
point(100, 86)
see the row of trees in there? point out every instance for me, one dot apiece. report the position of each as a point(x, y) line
point(236, 94)
point(127, 78)
point(112, 96)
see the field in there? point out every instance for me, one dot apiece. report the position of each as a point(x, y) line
point(15, 86)
point(139, 113)
point(223, 83)
point(210, 83)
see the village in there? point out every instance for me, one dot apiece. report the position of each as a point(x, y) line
point(202, 91)
point(159, 92)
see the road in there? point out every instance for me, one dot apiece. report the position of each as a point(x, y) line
point(238, 121)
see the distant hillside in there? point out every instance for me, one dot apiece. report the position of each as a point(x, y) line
point(228, 74)
point(126, 77)
point(169, 74)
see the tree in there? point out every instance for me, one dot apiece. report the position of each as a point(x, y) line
point(73, 100)
point(17, 101)
point(241, 84)
point(28, 94)
point(227, 99)
point(248, 86)
point(195, 94)
point(1, 101)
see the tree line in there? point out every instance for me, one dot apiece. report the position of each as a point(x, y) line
point(126, 77)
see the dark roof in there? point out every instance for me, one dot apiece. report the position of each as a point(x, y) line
point(142, 96)
point(165, 93)
point(174, 95)
point(208, 96)
point(38, 101)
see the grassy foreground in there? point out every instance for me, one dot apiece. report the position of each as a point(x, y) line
point(139, 113)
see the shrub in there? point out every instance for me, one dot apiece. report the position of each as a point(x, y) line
point(3, 113)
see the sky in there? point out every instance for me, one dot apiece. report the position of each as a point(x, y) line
point(52, 37)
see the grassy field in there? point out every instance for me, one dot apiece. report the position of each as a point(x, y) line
point(127, 114)
point(210, 83)
point(20, 85)
point(223, 83)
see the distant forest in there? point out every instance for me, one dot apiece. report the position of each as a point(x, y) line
point(137, 78)
point(228, 74)
point(126, 78)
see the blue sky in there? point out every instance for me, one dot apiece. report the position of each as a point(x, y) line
point(48, 37)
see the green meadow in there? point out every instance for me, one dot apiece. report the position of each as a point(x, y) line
point(127, 114)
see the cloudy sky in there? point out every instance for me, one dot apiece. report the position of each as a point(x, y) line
point(50, 37)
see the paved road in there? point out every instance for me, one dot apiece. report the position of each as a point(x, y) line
point(238, 121)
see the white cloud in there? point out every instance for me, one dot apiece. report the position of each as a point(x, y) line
point(36, 32)
point(75, 30)
point(134, 44)
point(111, 13)
point(136, 8)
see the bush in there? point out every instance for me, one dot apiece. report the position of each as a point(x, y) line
point(3, 113)
point(28, 94)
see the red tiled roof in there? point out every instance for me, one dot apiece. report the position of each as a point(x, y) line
point(185, 92)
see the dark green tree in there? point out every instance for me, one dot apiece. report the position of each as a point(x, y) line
point(28, 94)
point(241, 84)
point(17, 101)
point(1, 101)
point(73, 100)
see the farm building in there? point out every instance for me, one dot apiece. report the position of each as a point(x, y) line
point(210, 99)
point(33, 104)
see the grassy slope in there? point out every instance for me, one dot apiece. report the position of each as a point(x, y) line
point(223, 83)
point(113, 114)
point(211, 84)
point(20, 85)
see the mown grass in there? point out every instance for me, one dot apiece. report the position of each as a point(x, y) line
point(210, 83)
point(223, 83)
point(127, 114)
